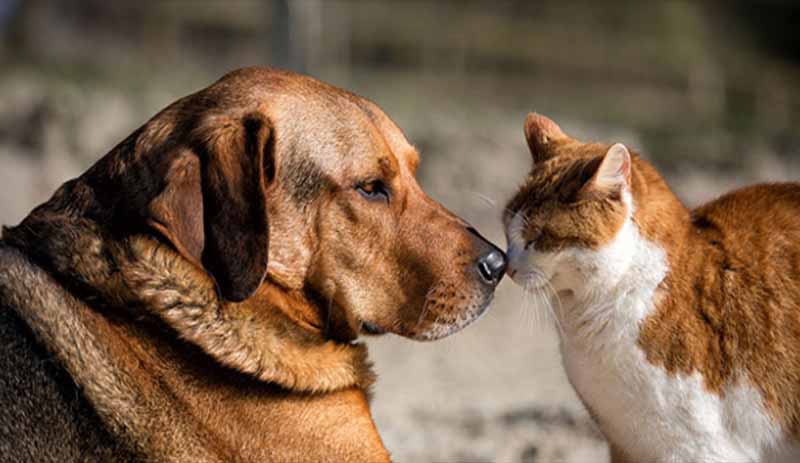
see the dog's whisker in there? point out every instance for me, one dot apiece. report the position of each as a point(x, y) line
point(436, 323)
point(426, 304)
point(422, 314)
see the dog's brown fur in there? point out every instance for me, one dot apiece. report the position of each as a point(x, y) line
point(169, 401)
point(290, 223)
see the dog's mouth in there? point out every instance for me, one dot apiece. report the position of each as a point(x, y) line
point(444, 325)
point(437, 320)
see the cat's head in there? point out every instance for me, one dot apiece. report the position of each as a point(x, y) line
point(570, 211)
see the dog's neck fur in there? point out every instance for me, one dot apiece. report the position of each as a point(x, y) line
point(77, 336)
point(256, 336)
point(168, 399)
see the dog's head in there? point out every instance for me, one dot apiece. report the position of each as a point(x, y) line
point(268, 174)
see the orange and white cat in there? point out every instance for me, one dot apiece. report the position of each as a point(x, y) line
point(680, 329)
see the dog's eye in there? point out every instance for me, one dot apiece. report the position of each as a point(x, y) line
point(373, 190)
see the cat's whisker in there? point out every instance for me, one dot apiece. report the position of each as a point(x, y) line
point(543, 314)
point(539, 317)
point(518, 230)
point(486, 199)
point(536, 286)
point(547, 293)
point(560, 311)
point(532, 318)
point(556, 318)
point(529, 308)
point(525, 220)
point(528, 304)
point(547, 310)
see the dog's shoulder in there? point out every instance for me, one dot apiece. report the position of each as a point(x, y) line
point(44, 417)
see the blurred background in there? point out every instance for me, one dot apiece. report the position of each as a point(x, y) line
point(709, 91)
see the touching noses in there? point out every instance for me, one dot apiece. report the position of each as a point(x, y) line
point(491, 263)
point(513, 255)
point(492, 266)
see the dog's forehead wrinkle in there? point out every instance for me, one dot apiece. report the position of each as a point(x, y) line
point(304, 178)
point(388, 166)
point(387, 135)
point(412, 158)
point(331, 135)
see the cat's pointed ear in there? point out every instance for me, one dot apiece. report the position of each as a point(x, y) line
point(539, 132)
point(614, 171)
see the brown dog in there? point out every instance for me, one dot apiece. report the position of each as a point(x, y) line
point(199, 288)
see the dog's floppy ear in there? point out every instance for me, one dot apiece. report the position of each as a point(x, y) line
point(212, 206)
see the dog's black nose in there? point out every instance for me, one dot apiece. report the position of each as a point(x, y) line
point(491, 266)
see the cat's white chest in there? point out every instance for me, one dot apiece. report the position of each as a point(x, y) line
point(650, 414)
point(655, 416)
